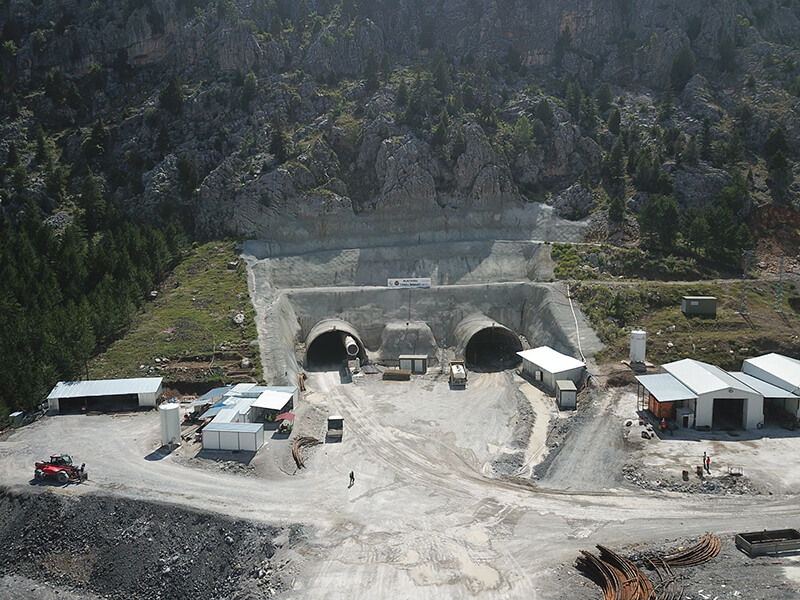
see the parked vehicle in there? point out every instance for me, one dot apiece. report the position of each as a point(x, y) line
point(60, 468)
point(335, 427)
point(458, 373)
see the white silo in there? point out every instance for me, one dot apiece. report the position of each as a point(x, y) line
point(638, 344)
point(170, 423)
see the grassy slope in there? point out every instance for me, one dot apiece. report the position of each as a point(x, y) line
point(191, 324)
point(616, 306)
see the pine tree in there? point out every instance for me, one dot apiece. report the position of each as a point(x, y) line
point(279, 144)
point(616, 209)
point(523, 134)
point(440, 133)
point(386, 67)
point(614, 121)
point(604, 97)
point(249, 89)
point(171, 97)
point(684, 65)
point(441, 74)
point(545, 113)
point(12, 158)
point(402, 93)
point(371, 81)
point(574, 98)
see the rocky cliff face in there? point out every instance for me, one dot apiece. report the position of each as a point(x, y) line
point(290, 121)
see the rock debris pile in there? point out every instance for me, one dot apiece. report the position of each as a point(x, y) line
point(129, 549)
point(727, 483)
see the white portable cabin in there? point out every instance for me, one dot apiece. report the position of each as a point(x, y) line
point(548, 366)
point(238, 422)
point(566, 394)
point(416, 363)
point(233, 436)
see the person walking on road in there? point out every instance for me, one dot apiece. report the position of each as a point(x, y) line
point(352, 479)
point(708, 464)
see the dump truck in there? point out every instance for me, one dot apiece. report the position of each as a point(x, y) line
point(458, 373)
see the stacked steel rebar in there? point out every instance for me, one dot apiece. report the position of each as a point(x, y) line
point(620, 579)
point(703, 551)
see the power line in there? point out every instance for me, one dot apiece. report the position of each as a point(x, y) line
point(748, 254)
point(779, 291)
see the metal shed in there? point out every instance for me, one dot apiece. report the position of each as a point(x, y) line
point(548, 366)
point(105, 394)
point(667, 398)
point(233, 436)
point(566, 394)
point(705, 306)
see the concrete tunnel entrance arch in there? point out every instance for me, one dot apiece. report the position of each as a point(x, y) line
point(486, 345)
point(330, 342)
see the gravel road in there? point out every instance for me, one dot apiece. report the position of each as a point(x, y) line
point(432, 513)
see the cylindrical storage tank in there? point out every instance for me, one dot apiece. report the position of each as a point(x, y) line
point(170, 423)
point(638, 344)
point(350, 345)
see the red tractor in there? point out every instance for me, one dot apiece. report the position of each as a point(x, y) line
point(60, 468)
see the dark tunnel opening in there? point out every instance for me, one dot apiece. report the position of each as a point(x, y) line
point(492, 349)
point(327, 352)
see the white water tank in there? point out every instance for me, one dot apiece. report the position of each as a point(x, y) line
point(638, 343)
point(170, 423)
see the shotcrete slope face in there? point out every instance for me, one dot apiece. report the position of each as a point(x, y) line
point(486, 301)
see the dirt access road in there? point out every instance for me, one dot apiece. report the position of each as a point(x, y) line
point(432, 513)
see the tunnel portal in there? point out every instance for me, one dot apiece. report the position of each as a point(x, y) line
point(330, 343)
point(326, 352)
point(492, 349)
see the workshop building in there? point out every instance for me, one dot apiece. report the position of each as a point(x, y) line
point(705, 394)
point(781, 372)
point(105, 395)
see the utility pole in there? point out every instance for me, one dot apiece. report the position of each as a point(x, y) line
point(779, 291)
point(748, 254)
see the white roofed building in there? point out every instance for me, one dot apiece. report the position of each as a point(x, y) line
point(239, 417)
point(105, 394)
point(548, 366)
point(783, 373)
point(720, 400)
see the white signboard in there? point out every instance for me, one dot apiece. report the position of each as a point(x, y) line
point(410, 282)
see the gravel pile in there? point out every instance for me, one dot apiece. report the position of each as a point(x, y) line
point(129, 549)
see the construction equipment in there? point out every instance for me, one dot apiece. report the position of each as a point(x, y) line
point(60, 468)
point(458, 373)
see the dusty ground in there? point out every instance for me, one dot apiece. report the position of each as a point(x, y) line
point(448, 502)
